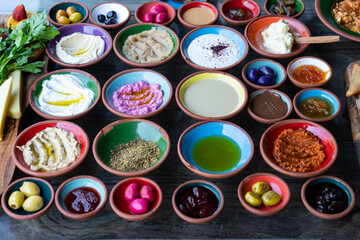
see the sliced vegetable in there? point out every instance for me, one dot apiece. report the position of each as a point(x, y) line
point(14, 108)
point(5, 90)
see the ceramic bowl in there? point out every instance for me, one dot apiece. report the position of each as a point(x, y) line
point(79, 7)
point(145, 8)
point(260, 119)
point(276, 184)
point(317, 62)
point(121, 207)
point(280, 72)
point(269, 7)
point(250, 6)
point(84, 28)
point(46, 192)
point(79, 182)
point(317, 93)
point(176, 3)
point(122, 11)
point(230, 33)
point(121, 37)
point(205, 129)
point(124, 131)
point(196, 4)
point(328, 179)
point(269, 136)
point(132, 76)
point(254, 29)
point(210, 186)
point(88, 80)
point(32, 130)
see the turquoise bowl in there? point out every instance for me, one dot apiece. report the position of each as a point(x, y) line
point(79, 7)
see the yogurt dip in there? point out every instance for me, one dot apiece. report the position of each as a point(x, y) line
point(278, 37)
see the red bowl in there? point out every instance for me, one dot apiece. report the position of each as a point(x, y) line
point(145, 8)
point(249, 5)
point(197, 4)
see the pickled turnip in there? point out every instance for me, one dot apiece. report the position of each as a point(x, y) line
point(149, 18)
point(155, 10)
point(132, 191)
point(139, 206)
point(161, 18)
point(148, 192)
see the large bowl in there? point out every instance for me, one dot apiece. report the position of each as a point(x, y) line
point(79, 7)
point(145, 8)
point(122, 11)
point(197, 4)
point(298, 3)
point(250, 5)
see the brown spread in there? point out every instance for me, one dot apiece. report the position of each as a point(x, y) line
point(269, 105)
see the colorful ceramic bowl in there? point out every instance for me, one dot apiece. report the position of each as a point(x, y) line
point(276, 184)
point(46, 192)
point(124, 131)
point(196, 4)
point(145, 8)
point(221, 129)
point(254, 29)
point(318, 93)
point(327, 139)
point(121, 207)
point(84, 28)
point(79, 7)
point(178, 3)
point(250, 6)
point(193, 183)
point(122, 12)
point(32, 130)
point(88, 81)
point(269, 6)
point(80, 182)
point(224, 31)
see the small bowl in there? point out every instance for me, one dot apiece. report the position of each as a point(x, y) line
point(46, 192)
point(121, 207)
point(276, 184)
point(328, 179)
point(300, 6)
point(88, 80)
point(318, 93)
point(79, 7)
point(127, 130)
point(269, 136)
point(77, 182)
point(280, 72)
point(201, 130)
point(197, 77)
point(145, 8)
point(283, 96)
point(254, 29)
point(210, 186)
point(121, 37)
point(230, 33)
point(197, 4)
point(248, 5)
point(122, 11)
point(132, 76)
point(308, 60)
point(176, 3)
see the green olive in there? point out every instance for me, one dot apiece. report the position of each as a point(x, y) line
point(260, 188)
point(33, 203)
point(30, 189)
point(75, 17)
point(63, 20)
point(271, 198)
point(16, 199)
point(253, 199)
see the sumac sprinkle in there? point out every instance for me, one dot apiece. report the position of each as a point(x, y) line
point(217, 49)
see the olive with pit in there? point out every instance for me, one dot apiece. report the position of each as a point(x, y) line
point(75, 17)
point(260, 188)
point(271, 198)
point(33, 203)
point(60, 13)
point(70, 10)
point(253, 199)
point(16, 200)
point(63, 20)
point(30, 189)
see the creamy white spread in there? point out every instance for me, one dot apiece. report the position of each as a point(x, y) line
point(278, 37)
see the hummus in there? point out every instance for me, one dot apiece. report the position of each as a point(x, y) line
point(149, 46)
point(138, 98)
point(278, 37)
point(51, 149)
point(79, 48)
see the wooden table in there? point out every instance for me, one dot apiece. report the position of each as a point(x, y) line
point(234, 221)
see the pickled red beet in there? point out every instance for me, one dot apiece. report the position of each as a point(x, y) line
point(149, 18)
point(139, 206)
point(157, 9)
point(161, 18)
point(265, 80)
point(267, 71)
point(253, 75)
point(148, 192)
point(82, 200)
point(132, 191)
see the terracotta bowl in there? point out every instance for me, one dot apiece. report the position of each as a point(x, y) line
point(132, 76)
point(205, 129)
point(88, 81)
point(122, 11)
point(176, 3)
point(79, 7)
point(210, 186)
point(326, 95)
point(269, 7)
point(254, 29)
point(276, 184)
point(251, 6)
point(269, 136)
point(196, 4)
point(328, 179)
point(31, 131)
point(124, 131)
point(46, 192)
point(145, 8)
point(308, 60)
point(121, 207)
point(78, 182)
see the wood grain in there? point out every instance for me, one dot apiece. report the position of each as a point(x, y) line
point(317, 39)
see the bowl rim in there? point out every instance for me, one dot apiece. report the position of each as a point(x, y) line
point(135, 217)
point(327, 216)
point(78, 216)
point(57, 173)
point(33, 215)
point(294, 16)
point(197, 220)
point(257, 211)
point(171, 20)
point(199, 117)
point(213, 175)
point(174, 2)
point(238, 22)
point(70, 117)
point(125, 115)
point(204, 3)
point(58, 25)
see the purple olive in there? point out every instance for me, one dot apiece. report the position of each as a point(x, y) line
point(253, 74)
point(266, 81)
point(267, 71)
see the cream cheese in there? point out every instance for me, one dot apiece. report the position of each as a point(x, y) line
point(278, 37)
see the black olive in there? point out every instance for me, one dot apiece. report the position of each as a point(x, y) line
point(111, 14)
point(110, 21)
point(101, 18)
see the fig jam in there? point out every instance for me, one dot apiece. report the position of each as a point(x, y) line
point(82, 200)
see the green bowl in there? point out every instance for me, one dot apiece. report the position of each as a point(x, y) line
point(300, 7)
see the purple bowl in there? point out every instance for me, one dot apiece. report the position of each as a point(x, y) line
point(80, 28)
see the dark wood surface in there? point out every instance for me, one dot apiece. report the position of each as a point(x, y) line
point(234, 221)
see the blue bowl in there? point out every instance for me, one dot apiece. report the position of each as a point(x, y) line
point(177, 4)
point(204, 129)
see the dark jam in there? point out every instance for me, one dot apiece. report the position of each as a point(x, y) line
point(82, 200)
point(198, 202)
point(239, 14)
